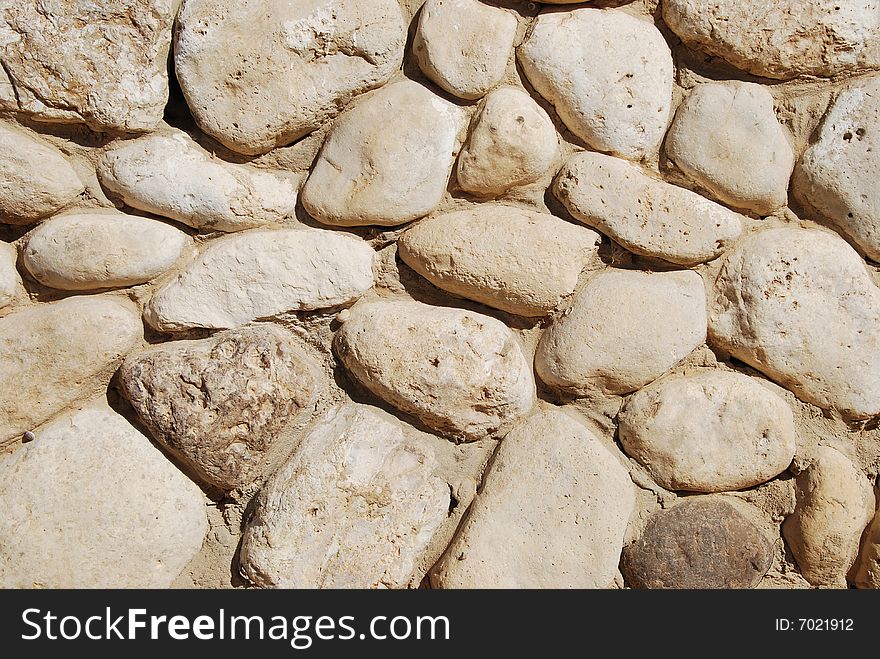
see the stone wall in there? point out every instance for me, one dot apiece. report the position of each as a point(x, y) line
point(446, 294)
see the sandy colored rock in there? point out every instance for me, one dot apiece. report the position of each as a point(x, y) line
point(867, 573)
point(10, 282)
point(262, 273)
point(258, 75)
point(220, 403)
point(726, 138)
point(35, 179)
point(91, 503)
point(88, 251)
point(462, 374)
point(512, 143)
point(608, 74)
point(513, 259)
point(800, 306)
point(103, 64)
point(703, 542)
point(552, 513)
point(354, 507)
point(170, 175)
point(463, 45)
point(368, 174)
point(784, 39)
point(835, 502)
point(711, 431)
point(624, 329)
point(55, 353)
point(645, 215)
point(837, 176)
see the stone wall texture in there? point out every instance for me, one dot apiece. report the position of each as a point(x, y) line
point(439, 294)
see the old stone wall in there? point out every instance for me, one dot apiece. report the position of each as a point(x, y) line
point(441, 293)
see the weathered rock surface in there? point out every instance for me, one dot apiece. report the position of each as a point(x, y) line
point(219, 403)
point(355, 507)
point(800, 306)
point(55, 353)
point(257, 75)
point(644, 214)
point(784, 39)
point(837, 176)
point(711, 431)
point(98, 63)
point(608, 74)
point(513, 259)
point(170, 175)
point(91, 503)
point(835, 502)
point(261, 273)
point(366, 174)
point(867, 574)
point(460, 373)
point(726, 138)
point(88, 251)
point(10, 282)
point(624, 329)
point(463, 45)
point(552, 513)
point(35, 179)
point(703, 542)
point(512, 143)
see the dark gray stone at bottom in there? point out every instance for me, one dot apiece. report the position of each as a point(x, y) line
point(703, 542)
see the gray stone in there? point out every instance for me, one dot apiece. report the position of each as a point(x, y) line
point(220, 403)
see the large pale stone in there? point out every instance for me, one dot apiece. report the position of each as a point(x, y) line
point(726, 138)
point(35, 179)
point(800, 306)
point(262, 273)
point(835, 502)
point(608, 74)
point(387, 160)
point(867, 574)
point(624, 330)
point(98, 63)
point(91, 503)
point(258, 74)
point(10, 282)
point(460, 373)
point(703, 542)
point(88, 251)
point(355, 507)
point(517, 260)
point(463, 45)
point(220, 403)
point(711, 431)
point(552, 513)
point(512, 143)
point(53, 354)
point(838, 175)
point(644, 214)
point(783, 39)
point(170, 175)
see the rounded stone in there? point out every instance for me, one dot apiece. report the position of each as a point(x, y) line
point(91, 503)
point(799, 305)
point(259, 74)
point(10, 282)
point(624, 330)
point(702, 542)
point(712, 431)
point(512, 143)
point(513, 259)
point(90, 251)
point(608, 74)
point(462, 374)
